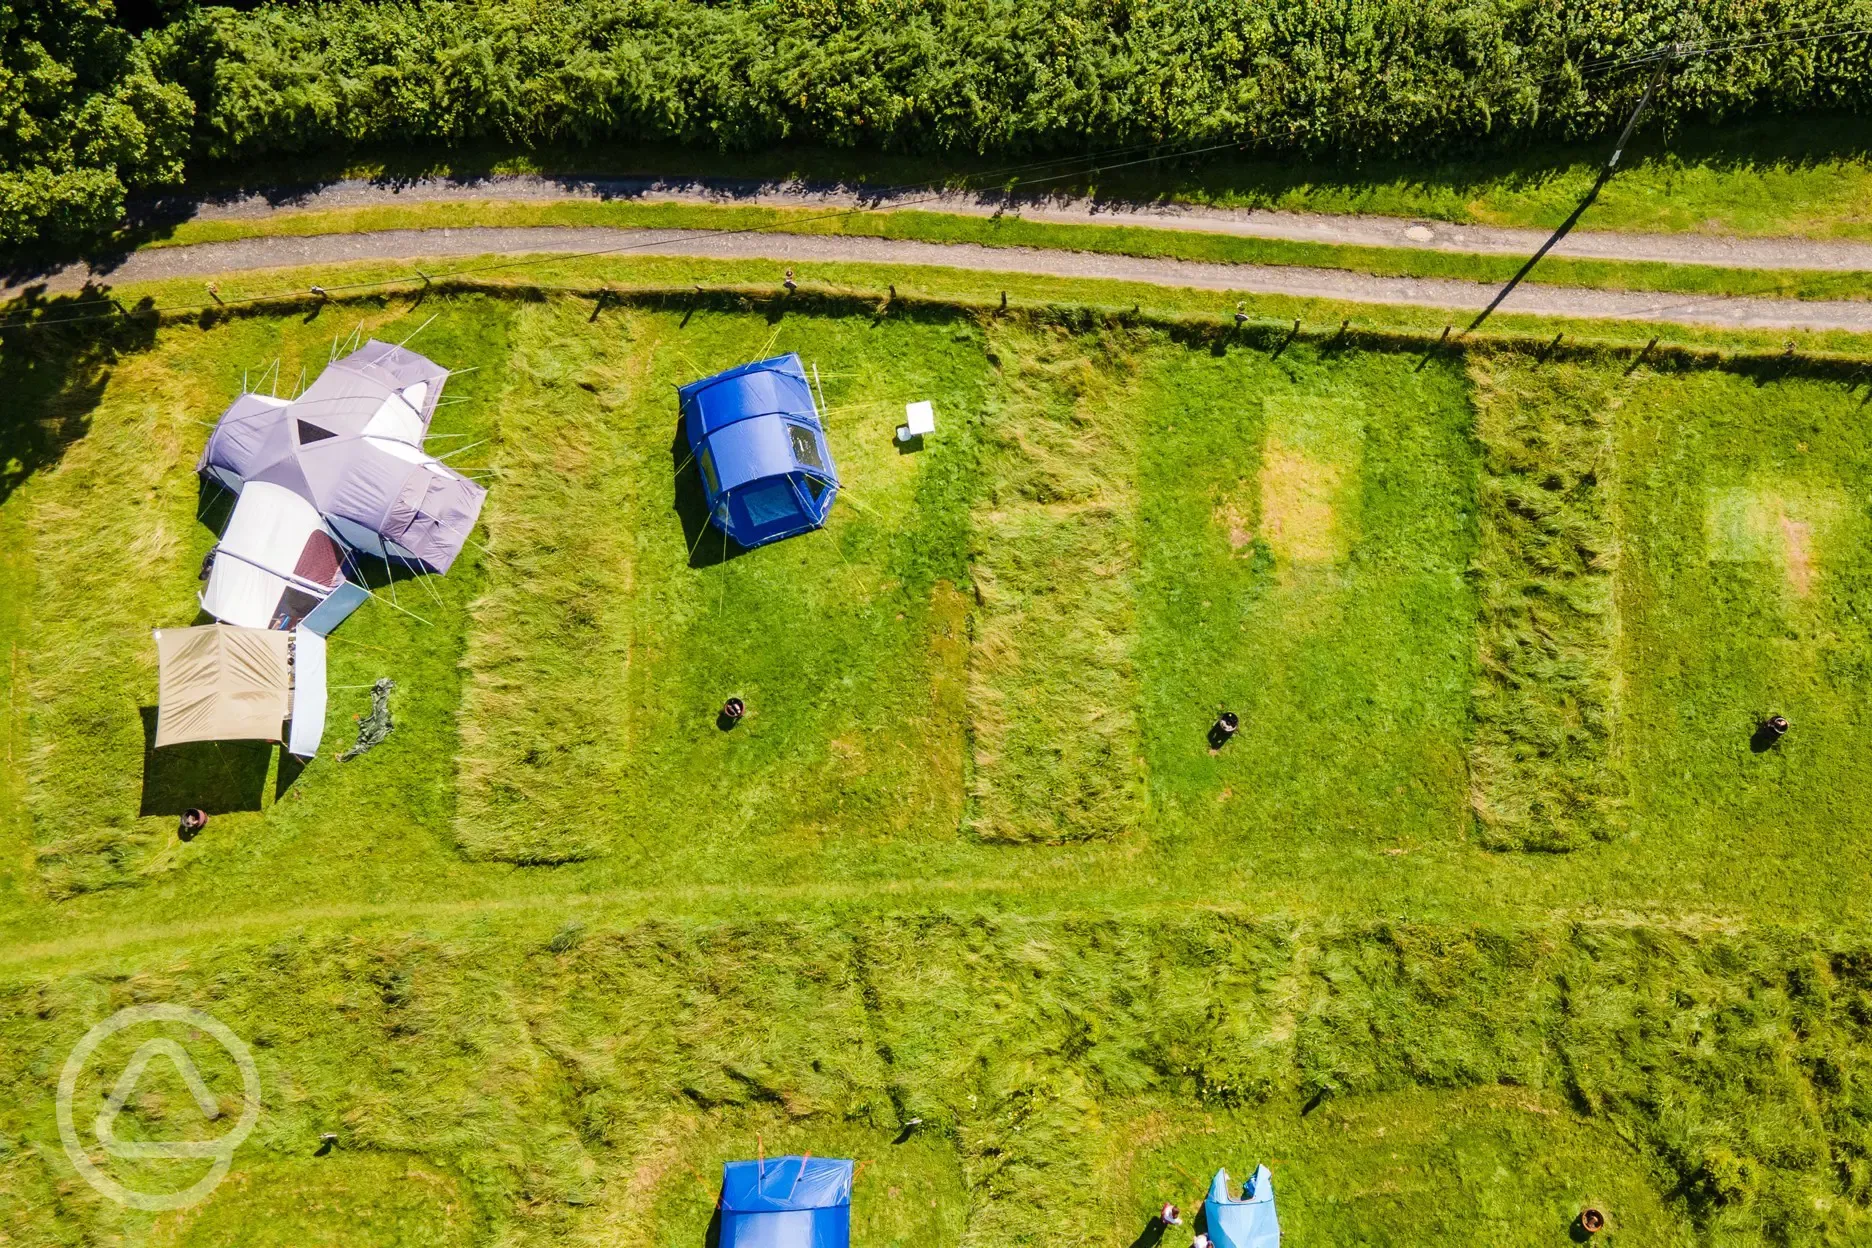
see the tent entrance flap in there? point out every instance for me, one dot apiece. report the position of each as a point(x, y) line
point(308, 699)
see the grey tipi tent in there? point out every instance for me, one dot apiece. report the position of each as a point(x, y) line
point(352, 446)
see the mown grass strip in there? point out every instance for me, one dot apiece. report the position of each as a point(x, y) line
point(1541, 764)
point(1052, 683)
point(666, 282)
point(108, 525)
point(544, 735)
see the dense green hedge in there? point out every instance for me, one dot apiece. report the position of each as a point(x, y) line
point(1344, 77)
point(82, 117)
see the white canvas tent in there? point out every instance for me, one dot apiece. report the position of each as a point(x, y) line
point(276, 562)
point(216, 682)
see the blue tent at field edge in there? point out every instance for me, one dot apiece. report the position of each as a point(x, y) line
point(786, 1202)
point(761, 449)
point(1245, 1223)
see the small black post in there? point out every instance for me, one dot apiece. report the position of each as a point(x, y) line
point(1640, 357)
point(731, 712)
point(214, 293)
point(1768, 733)
point(1004, 301)
point(1227, 724)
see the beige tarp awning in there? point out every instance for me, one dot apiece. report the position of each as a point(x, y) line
point(218, 683)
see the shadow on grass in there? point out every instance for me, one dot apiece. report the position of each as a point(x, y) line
point(1151, 1235)
point(705, 549)
point(214, 504)
point(216, 776)
point(52, 375)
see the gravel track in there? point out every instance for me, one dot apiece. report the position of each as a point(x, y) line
point(209, 259)
point(1365, 231)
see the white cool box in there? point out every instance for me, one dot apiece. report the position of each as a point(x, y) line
point(919, 419)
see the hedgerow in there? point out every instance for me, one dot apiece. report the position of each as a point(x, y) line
point(1341, 78)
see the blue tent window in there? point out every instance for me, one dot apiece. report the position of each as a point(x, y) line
point(769, 503)
point(708, 471)
point(806, 447)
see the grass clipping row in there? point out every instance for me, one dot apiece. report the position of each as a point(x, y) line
point(1541, 763)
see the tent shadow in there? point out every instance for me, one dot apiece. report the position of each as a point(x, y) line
point(214, 504)
point(1152, 1235)
point(691, 507)
point(291, 767)
point(712, 1237)
point(216, 776)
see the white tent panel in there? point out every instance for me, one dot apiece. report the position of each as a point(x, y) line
point(239, 593)
point(308, 699)
point(270, 525)
point(406, 452)
point(258, 550)
point(396, 420)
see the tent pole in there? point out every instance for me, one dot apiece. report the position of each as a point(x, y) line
point(419, 329)
point(405, 610)
point(799, 1174)
point(721, 605)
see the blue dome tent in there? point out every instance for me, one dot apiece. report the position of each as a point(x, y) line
point(788, 1202)
point(761, 449)
point(1245, 1223)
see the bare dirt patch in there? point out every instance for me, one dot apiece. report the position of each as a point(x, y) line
point(1299, 512)
point(1309, 480)
point(1797, 539)
point(1744, 524)
point(1239, 527)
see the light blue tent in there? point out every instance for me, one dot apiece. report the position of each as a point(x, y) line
point(1245, 1223)
point(761, 449)
point(786, 1202)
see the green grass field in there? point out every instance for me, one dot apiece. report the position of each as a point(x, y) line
point(1490, 913)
